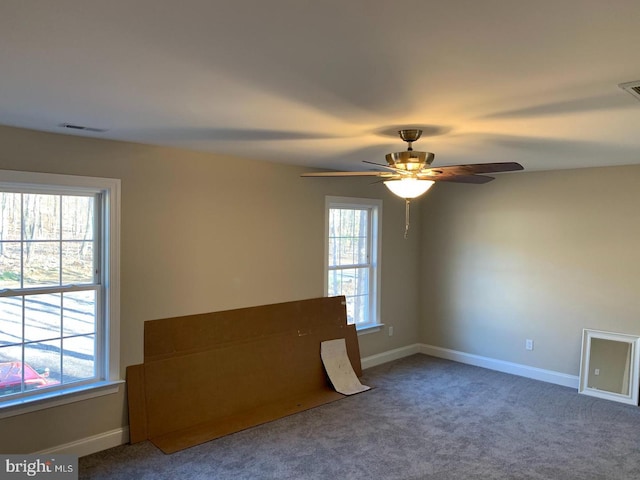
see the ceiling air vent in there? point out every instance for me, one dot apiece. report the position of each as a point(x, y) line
point(632, 87)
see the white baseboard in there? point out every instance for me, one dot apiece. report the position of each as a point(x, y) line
point(534, 373)
point(395, 354)
point(93, 444)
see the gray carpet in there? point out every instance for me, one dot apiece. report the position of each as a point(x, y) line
point(426, 418)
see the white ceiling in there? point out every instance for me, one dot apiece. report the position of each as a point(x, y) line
point(325, 83)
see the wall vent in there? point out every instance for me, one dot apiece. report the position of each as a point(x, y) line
point(632, 87)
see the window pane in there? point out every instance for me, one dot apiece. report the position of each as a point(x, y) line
point(42, 317)
point(334, 251)
point(41, 216)
point(359, 305)
point(78, 358)
point(9, 265)
point(44, 358)
point(335, 286)
point(10, 320)
point(41, 264)
point(353, 283)
point(10, 218)
point(77, 218)
point(79, 313)
point(11, 354)
point(77, 262)
point(10, 370)
point(348, 236)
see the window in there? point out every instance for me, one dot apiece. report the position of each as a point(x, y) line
point(353, 255)
point(59, 294)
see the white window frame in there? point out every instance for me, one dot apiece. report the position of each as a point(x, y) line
point(375, 248)
point(109, 348)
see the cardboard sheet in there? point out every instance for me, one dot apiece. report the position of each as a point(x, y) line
point(338, 366)
point(208, 375)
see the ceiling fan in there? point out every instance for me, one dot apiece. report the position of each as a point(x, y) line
point(409, 174)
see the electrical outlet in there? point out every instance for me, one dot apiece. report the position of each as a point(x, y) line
point(528, 344)
point(596, 371)
point(390, 331)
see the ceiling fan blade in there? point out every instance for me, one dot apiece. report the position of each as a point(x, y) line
point(388, 167)
point(347, 174)
point(386, 179)
point(474, 168)
point(477, 179)
point(379, 165)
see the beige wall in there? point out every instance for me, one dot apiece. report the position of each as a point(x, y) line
point(531, 255)
point(203, 233)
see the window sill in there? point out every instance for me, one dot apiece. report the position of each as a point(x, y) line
point(370, 329)
point(57, 398)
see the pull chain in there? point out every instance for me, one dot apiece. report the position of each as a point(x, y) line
point(406, 216)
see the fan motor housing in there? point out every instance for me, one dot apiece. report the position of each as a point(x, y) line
point(409, 160)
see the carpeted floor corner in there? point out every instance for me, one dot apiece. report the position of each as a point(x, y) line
point(426, 418)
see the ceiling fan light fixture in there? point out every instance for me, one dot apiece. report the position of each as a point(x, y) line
point(408, 188)
point(407, 172)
